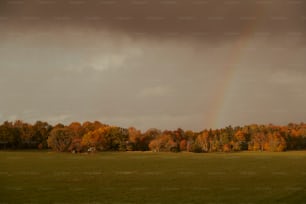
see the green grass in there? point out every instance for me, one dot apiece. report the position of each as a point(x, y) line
point(146, 177)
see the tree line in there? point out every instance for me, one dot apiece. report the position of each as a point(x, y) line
point(96, 136)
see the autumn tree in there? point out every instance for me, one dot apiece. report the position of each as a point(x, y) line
point(276, 143)
point(203, 142)
point(135, 139)
point(148, 136)
point(190, 138)
point(240, 141)
point(77, 129)
point(78, 132)
point(183, 145)
point(258, 141)
point(91, 126)
point(60, 139)
point(95, 139)
point(164, 143)
point(226, 140)
point(77, 137)
point(106, 138)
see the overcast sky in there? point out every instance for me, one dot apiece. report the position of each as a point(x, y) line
point(192, 64)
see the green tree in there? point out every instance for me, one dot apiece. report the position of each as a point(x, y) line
point(9, 136)
point(41, 131)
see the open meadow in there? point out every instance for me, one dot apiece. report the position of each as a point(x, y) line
point(147, 177)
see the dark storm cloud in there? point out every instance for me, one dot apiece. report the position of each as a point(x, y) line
point(219, 19)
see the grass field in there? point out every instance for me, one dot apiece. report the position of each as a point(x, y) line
point(146, 177)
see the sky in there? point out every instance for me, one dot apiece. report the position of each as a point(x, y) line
point(166, 64)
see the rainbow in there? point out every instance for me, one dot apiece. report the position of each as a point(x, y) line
point(221, 101)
